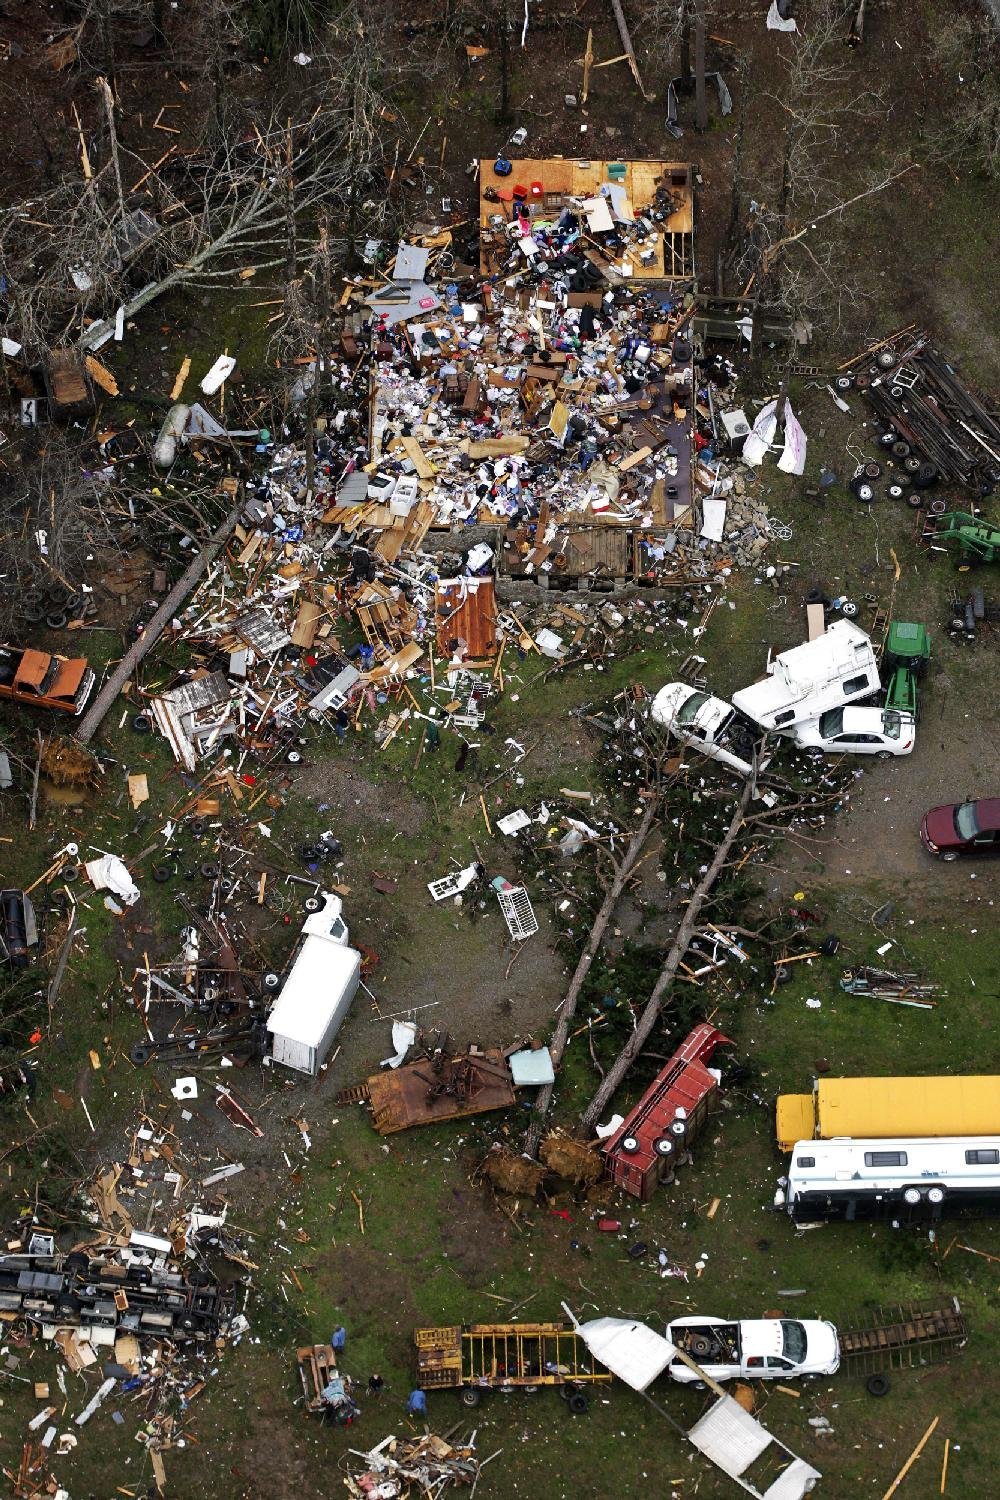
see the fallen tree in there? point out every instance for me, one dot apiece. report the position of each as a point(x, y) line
point(567, 1011)
point(93, 718)
point(654, 1005)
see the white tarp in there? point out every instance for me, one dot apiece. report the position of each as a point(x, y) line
point(630, 1350)
point(793, 458)
point(777, 22)
point(761, 439)
point(109, 874)
point(761, 435)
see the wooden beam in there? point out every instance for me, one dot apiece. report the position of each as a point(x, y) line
point(894, 1486)
point(588, 63)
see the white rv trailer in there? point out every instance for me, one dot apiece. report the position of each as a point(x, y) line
point(845, 1178)
point(838, 667)
point(317, 992)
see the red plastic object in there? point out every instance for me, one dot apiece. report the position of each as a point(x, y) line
point(537, 190)
point(520, 191)
point(609, 1226)
point(560, 1213)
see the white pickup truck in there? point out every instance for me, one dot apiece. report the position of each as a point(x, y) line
point(754, 1349)
point(705, 723)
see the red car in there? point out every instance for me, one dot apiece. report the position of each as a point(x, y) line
point(962, 828)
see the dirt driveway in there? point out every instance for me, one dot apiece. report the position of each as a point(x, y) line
point(957, 755)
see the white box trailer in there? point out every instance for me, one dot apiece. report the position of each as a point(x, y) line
point(317, 993)
point(805, 682)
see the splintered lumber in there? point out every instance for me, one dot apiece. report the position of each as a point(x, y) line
point(567, 1009)
point(94, 717)
point(588, 62)
point(894, 1486)
point(640, 1036)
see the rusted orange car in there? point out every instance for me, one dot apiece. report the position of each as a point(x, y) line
point(45, 681)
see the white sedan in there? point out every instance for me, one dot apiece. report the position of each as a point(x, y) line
point(755, 1349)
point(859, 731)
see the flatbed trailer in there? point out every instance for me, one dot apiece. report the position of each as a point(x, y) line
point(503, 1356)
point(901, 1336)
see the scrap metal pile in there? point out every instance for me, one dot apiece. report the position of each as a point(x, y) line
point(929, 411)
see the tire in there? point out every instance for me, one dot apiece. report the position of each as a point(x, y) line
point(895, 492)
point(849, 609)
point(886, 360)
point(470, 1397)
point(197, 826)
point(578, 1403)
point(162, 874)
point(938, 507)
point(966, 562)
point(900, 449)
point(888, 439)
point(873, 470)
point(878, 1385)
point(69, 873)
point(914, 500)
point(782, 974)
point(141, 724)
point(925, 476)
point(912, 464)
point(884, 755)
point(271, 980)
point(312, 903)
point(865, 492)
point(293, 758)
point(700, 1346)
point(56, 622)
point(949, 855)
point(208, 871)
point(843, 382)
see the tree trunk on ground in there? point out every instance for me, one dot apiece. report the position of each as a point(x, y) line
point(568, 1008)
point(700, 95)
point(503, 23)
point(736, 190)
point(685, 60)
point(651, 1014)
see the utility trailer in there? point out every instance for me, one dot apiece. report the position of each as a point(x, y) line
point(903, 1336)
point(506, 1357)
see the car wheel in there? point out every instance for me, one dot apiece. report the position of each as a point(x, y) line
point(470, 1396)
point(884, 755)
point(578, 1403)
point(877, 1385)
point(900, 449)
point(926, 475)
point(950, 854)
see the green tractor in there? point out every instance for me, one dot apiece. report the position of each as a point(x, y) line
point(907, 652)
point(978, 540)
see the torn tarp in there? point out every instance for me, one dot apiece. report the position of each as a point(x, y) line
point(109, 874)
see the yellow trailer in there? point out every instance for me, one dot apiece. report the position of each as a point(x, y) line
point(884, 1108)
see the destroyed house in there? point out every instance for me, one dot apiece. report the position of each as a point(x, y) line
point(669, 1116)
